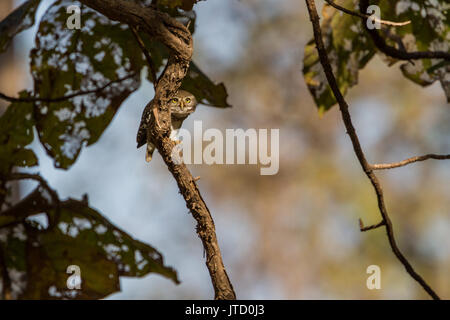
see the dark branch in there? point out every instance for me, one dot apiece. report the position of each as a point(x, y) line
point(366, 16)
point(390, 51)
point(343, 106)
point(150, 63)
point(362, 228)
point(405, 162)
point(64, 98)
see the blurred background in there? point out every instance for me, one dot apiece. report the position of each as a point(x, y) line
point(294, 235)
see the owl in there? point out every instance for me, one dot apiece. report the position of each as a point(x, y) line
point(181, 105)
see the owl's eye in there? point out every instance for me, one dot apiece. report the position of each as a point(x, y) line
point(188, 100)
point(173, 100)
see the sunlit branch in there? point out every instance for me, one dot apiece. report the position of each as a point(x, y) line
point(367, 16)
point(177, 38)
point(405, 162)
point(393, 52)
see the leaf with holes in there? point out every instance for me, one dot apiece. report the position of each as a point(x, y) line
point(429, 30)
point(102, 55)
point(79, 236)
point(349, 49)
point(204, 89)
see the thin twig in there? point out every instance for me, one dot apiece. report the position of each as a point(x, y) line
point(150, 63)
point(63, 98)
point(405, 162)
point(343, 106)
point(390, 51)
point(367, 16)
point(362, 228)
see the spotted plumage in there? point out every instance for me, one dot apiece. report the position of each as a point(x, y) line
point(182, 104)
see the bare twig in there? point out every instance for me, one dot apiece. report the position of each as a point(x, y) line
point(366, 16)
point(362, 228)
point(343, 106)
point(392, 51)
point(69, 96)
point(177, 38)
point(405, 162)
point(150, 63)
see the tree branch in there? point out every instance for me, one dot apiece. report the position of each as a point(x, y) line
point(366, 16)
point(405, 162)
point(392, 51)
point(150, 63)
point(343, 107)
point(178, 39)
point(69, 96)
point(362, 228)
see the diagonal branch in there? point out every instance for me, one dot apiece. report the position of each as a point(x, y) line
point(149, 59)
point(69, 96)
point(405, 162)
point(390, 51)
point(366, 16)
point(343, 107)
point(177, 38)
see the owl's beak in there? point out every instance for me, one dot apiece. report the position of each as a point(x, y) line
point(182, 105)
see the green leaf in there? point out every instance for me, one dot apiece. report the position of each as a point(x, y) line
point(429, 30)
point(349, 49)
point(19, 20)
point(104, 55)
point(16, 132)
point(204, 89)
point(79, 236)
